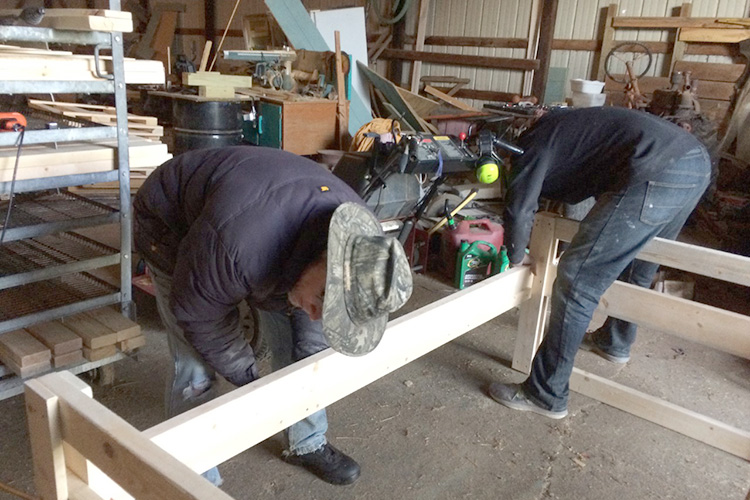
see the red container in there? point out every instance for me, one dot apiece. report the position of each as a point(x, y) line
point(469, 231)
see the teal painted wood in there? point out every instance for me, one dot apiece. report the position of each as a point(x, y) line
point(301, 31)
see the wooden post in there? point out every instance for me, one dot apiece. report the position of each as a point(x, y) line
point(533, 312)
point(678, 51)
point(45, 434)
point(416, 66)
point(531, 46)
point(608, 41)
point(342, 110)
point(544, 50)
point(204, 57)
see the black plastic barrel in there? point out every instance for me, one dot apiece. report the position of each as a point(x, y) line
point(206, 124)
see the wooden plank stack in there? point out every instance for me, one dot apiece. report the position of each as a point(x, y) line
point(140, 126)
point(46, 160)
point(93, 335)
point(82, 19)
point(23, 64)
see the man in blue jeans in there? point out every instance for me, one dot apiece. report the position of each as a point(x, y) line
point(221, 226)
point(647, 176)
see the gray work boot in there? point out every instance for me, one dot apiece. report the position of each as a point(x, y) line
point(512, 396)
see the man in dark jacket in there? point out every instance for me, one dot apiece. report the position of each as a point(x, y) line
point(647, 176)
point(221, 226)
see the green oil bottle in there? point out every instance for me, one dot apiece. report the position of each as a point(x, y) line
point(476, 261)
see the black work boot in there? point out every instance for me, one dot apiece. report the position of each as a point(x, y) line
point(328, 463)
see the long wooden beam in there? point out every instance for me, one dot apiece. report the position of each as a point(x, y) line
point(724, 330)
point(690, 423)
point(461, 60)
point(711, 49)
point(222, 428)
point(692, 258)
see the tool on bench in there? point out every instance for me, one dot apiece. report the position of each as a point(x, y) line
point(12, 122)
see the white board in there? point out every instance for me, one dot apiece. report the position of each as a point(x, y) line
point(350, 23)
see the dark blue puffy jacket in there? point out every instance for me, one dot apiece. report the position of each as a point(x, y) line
point(229, 224)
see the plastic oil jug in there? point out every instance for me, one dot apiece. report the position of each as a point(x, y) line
point(478, 260)
point(469, 231)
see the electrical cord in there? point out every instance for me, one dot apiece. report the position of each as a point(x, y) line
point(13, 183)
point(405, 6)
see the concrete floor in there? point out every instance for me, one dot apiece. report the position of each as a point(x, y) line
point(428, 431)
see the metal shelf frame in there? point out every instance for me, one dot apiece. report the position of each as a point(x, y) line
point(63, 273)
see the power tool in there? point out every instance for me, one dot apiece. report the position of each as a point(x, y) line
point(12, 122)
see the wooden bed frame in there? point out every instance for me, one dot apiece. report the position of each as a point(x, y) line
point(81, 450)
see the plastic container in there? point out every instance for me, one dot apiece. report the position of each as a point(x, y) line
point(468, 231)
point(477, 261)
point(586, 86)
point(583, 100)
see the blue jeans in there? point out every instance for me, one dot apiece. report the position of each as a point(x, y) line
point(193, 382)
point(604, 248)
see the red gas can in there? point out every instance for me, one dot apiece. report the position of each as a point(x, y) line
point(469, 231)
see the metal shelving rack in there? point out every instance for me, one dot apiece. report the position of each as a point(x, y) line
point(40, 264)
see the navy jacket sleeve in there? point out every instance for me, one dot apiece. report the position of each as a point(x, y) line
point(205, 292)
point(524, 191)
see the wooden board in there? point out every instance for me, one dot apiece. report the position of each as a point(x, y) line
point(450, 100)
point(142, 154)
point(715, 72)
point(99, 353)
point(669, 22)
point(132, 343)
point(61, 66)
point(120, 451)
point(714, 35)
point(70, 358)
point(21, 348)
point(94, 334)
point(59, 339)
point(82, 19)
point(690, 423)
point(115, 321)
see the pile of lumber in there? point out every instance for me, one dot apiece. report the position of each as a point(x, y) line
point(69, 158)
point(81, 19)
point(93, 335)
point(24, 64)
point(141, 126)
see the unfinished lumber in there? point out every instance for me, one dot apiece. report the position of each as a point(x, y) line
point(142, 153)
point(450, 100)
point(131, 344)
point(115, 321)
point(317, 381)
point(94, 334)
point(51, 65)
point(213, 84)
point(120, 451)
point(21, 348)
point(99, 353)
point(83, 19)
point(721, 329)
point(28, 371)
point(67, 359)
point(59, 339)
point(689, 423)
point(45, 435)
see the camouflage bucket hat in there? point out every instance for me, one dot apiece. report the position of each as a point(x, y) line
point(368, 276)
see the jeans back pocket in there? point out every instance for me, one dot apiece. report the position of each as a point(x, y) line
point(664, 201)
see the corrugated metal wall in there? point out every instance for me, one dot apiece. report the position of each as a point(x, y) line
point(577, 20)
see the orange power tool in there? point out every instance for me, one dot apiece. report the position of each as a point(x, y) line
point(12, 122)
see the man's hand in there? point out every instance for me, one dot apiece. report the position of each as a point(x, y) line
point(527, 261)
